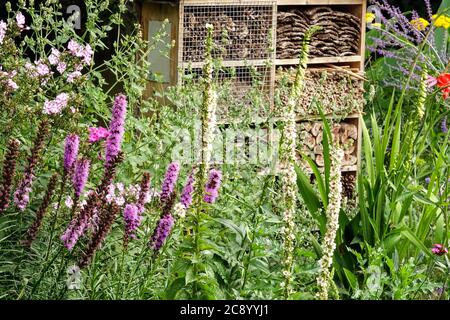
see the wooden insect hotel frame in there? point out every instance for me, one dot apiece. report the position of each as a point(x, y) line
point(266, 36)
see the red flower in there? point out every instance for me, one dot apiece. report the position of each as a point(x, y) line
point(443, 81)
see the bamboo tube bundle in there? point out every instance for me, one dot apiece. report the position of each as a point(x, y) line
point(311, 138)
point(335, 91)
point(340, 35)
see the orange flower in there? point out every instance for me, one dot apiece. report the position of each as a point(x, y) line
point(443, 81)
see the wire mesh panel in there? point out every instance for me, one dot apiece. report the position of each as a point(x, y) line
point(244, 90)
point(241, 31)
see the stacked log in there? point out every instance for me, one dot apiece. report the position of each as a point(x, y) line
point(340, 35)
point(336, 92)
point(240, 32)
point(311, 137)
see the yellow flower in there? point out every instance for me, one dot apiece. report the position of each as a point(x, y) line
point(441, 21)
point(370, 17)
point(420, 23)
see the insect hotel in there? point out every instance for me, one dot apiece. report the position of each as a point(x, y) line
point(266, 36)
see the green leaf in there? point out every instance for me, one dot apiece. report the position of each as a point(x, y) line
point(174, 288)
point(307, 192)
point(408, 234)
point(190, 276)
point(351, 279)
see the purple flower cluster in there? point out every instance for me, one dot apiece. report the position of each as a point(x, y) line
point(439, 249)
point(71, 146)
point(399, 39)
point(186, 195)
point(80, 51)
point(116, 128)
point(80, 176)
point(97, 134)
point(444, 127)
point(170, 180)
point(132, 220)
point(57, 105)
point(162, 231)
point(212, 186)
point(21, 196)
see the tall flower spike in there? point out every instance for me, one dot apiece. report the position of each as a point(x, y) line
point(80, 176)
point(21, 196)
point(287, 164)
point(324, 278)
point(132, 221)
point(186, 195)
point(116, 128)
point(71, 146)
point(162, 231)
point(34, 228)
point(95, 200)
point(212, 186)
point(143, 192)
point(170, 179)
point(97, 238)
point(9, 170)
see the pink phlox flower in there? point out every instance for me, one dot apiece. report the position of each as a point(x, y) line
point(56, 106)
point(3, 28)
point(20, 20)
point(54, 57)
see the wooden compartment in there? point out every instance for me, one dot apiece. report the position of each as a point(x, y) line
point(338, 90)
point(340, 37)
point(242, 31)
point(244, 90)
point(310, 137)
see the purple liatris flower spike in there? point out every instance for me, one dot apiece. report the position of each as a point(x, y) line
point(186, 195)
point(170, 180)
point(212, 186)
point(21, 196)
point(162, 231)
point(132, 220)
point(116, 128)
point(444, 127)
point(71, 146)
point(80, 176)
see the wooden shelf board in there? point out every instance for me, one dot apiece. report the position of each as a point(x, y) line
point(229, 63)
point(318, 2)
point(321, 60)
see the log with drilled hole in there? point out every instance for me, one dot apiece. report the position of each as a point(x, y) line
point(311, 137)
point(340, 34)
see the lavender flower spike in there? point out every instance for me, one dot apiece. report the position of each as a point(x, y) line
point(21, 196)
point(116, 128)
point(81, 175)
point(444, 127)
point(212, 186)
point(186, 195)
point(71, 146)
point(170, 180)
point(132, 220)
point(162, 231)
